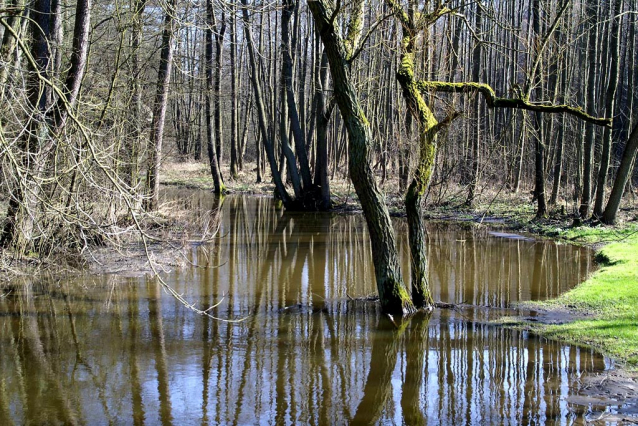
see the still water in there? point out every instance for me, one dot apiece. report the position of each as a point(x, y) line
point(115, 350)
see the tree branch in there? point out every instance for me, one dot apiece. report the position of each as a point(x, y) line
point(494, 101)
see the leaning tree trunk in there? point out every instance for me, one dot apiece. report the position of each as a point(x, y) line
point(622, 177)
point(614, 75)
point(293, 114)
point(392, 293)
point(159, 110)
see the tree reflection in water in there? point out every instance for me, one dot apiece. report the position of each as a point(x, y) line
point(119, 350)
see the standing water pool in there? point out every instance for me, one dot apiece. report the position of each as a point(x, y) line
point(309, 349)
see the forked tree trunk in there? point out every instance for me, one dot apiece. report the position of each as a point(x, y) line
point(293, 114)
point(428, 128)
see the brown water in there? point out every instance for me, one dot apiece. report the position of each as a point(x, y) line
point(115, 350)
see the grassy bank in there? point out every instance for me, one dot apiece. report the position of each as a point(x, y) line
point(607, 303)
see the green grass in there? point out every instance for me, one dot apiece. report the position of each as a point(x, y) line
point(609, 298)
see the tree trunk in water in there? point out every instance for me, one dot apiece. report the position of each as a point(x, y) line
point(293, 114)
point(211, 82)
point(234, 124)
point(322, 117)
point(428, 129)
point(159, 110)
point(622, 177)
point(392, 293)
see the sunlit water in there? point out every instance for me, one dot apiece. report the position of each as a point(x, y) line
point(109, 349)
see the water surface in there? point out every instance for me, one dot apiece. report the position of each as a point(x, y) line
point(115, 350)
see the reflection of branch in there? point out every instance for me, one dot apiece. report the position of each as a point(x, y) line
point(494, 101)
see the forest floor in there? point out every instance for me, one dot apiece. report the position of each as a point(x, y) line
point(602, 312)
point(497, 206)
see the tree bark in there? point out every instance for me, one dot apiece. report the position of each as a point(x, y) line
point(622, 177)
point(612, 87)
point(293, 114)
point(322, 117)
point(261, 113)
point(588, 150)
point(151, 203)
point(428, 128)
point(212, 129)
point(219, 52)
point(392, 293)
point(234, 121)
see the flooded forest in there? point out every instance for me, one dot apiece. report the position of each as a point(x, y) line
point(309, 212)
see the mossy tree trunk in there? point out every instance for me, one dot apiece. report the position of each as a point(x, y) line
point(392, 293)
point(428, 127)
